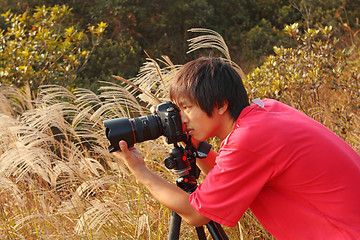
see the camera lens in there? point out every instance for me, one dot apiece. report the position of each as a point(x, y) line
point(165, 121)
point(133, 131)
point(146, 128)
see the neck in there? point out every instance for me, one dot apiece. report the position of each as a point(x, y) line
point(227, 126)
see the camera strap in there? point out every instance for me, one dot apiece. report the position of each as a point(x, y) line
point(203, 149)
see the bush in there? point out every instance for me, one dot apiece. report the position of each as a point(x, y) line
point(40, 48)
point(109, 58)
point(315, 77)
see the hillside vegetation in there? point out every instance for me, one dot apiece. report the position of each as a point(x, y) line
point(57, 179)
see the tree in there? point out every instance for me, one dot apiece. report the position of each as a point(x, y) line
point(42, 48)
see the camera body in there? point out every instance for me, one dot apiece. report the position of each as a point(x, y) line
point(165, 121)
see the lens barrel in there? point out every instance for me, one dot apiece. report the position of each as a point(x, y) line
point(133, 131)
point(146, 128)
point(165, 121)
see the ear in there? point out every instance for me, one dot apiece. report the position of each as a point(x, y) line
point(223, 108)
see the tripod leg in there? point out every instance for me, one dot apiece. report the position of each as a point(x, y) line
point(216, 231)
point(201, 233)
point(175, 224)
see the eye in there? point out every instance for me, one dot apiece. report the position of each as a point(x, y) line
point(186, 107)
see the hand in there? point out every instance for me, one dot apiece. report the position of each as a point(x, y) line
point(131, 157)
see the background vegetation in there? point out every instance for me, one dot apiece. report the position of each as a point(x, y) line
point(159, 27)
point(57, 62)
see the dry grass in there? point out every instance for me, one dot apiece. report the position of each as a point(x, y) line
point(57, 179)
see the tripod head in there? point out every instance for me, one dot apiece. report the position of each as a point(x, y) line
point(183, 162)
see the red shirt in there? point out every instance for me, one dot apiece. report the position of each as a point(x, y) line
point(299, 179)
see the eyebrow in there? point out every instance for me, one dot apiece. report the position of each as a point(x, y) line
point(184, 102)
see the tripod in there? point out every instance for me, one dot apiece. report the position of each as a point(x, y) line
point(183, 162)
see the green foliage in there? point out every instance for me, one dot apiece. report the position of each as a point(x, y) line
point(314, 77)
point(251, 28)
point(40, 48)
point(57, 179)
point(259, 40)
point(109, 58)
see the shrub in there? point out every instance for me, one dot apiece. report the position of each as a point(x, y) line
point(41, 48)
point(315, 77)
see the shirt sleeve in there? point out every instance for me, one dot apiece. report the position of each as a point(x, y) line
point(232, 185)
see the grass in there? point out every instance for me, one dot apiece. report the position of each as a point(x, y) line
point(58, 181)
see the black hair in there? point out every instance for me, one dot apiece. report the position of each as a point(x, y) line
point(210, 82)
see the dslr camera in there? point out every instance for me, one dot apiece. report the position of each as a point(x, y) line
point(165, 121)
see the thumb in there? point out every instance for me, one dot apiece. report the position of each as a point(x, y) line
point(123, 146)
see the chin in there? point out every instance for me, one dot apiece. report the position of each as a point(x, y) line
point(198, 139)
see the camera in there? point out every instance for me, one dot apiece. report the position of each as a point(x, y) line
point(165, 121)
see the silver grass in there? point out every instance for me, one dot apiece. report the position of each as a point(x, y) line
point(152, 82)
point(52, 94)
point(30, 136)
point(6, 106)
point(118, 102)
point(78, 164)
point(25, 153)
point(15, 100)
point(34, 219)
point(148, 80)
point(46, 116)
point(100, 214)
point(142, 225)
point(167, 61)
point(9, 187)
point(212, 39)
point(155, 80)
point(83, 116)
point(94, 186)
point(7, 135)
point(91, 167)
point(86, 98)
point(22, 160)
point(54, 160)
point(121, 170)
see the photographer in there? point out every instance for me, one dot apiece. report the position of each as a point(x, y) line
point(299, 179)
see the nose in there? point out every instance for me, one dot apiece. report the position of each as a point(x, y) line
point(184, 118)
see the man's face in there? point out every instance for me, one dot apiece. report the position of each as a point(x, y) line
point(198, 124)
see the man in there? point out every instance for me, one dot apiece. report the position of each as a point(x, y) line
point(299, 179)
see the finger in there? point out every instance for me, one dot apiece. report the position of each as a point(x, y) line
point(123, 152)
